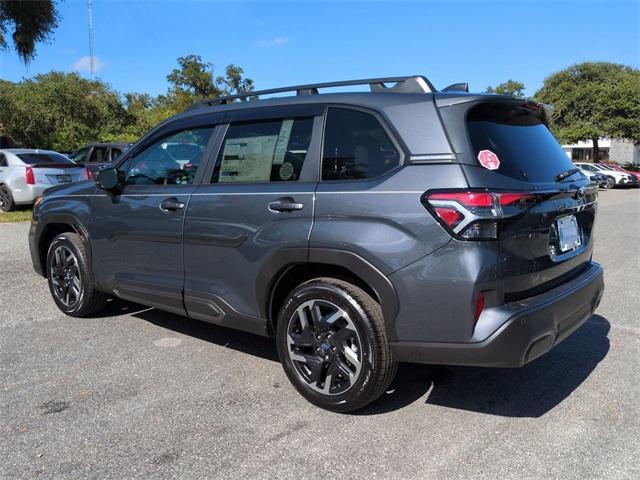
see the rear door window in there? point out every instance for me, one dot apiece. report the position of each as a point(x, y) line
point(98, 155)
point(356, 146)
point(521, 142)
point(80, 156)
point(42, 158)
point(114, 153)
point(265, 151)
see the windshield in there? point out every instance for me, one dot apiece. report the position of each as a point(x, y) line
point(41, 157)
point(520, 142)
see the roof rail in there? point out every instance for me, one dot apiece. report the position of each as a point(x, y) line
point(408, 84)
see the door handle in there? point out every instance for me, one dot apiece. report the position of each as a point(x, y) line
point(285, 205)
point(171, 204)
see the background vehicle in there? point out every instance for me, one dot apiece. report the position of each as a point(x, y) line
point(96, 156)
point(597, 178)
point(25, 174)
point(359, 229)
point(614, 177)
point(618, 168)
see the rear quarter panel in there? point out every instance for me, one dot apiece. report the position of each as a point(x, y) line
point(383, 220)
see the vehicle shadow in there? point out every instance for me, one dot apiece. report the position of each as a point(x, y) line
point(225, 337)
point(530, 391)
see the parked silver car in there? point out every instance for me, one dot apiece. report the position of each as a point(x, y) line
point(26, 173)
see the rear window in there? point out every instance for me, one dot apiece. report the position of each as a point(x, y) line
point(524, 146)
point(42, 158)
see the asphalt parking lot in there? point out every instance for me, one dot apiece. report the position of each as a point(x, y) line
point(137, 393)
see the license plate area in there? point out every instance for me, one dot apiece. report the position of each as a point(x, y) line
point(568, 233)
point(64, 178)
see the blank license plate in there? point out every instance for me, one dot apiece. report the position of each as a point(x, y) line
point(64, 178)
point(568, 233)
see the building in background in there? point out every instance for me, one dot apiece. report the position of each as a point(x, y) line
point(614, 150)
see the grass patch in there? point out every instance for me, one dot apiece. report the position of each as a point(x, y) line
point(15, 216)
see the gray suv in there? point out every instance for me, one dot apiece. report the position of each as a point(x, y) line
point(401, 224)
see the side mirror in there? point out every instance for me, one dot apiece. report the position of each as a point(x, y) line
point(107, 179)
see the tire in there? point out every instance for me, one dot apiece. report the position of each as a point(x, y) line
point(6, 199)
point(71, 280)
point(611, 182)
point(341, 359)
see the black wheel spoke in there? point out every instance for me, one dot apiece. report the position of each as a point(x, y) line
point(345, 371)
point(303, 339)
point(343, 335)
point(315, 314)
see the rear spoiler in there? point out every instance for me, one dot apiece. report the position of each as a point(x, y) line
point(543, 110)
point(546, 110)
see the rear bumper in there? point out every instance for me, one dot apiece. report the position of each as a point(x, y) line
point(28, 193)
point(628, 181)
point(532, 327)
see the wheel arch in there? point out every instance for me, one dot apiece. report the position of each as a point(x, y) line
point(272, 289)
point(52, 227)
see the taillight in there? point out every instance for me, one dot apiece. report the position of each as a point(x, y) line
point(475, 215)
point(88, 174)
point(29, 178)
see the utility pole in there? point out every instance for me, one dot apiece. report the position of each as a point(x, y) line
point(92, 66)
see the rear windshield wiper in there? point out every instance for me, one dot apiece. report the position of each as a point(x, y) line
point(561, 176)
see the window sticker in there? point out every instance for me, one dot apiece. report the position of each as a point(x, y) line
point(283, 141)
point(286, 171)
point(488, 159)
point(248, 159)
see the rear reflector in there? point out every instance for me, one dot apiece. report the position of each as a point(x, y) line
point(475, 215)
point(29, 177)
point(479, 307)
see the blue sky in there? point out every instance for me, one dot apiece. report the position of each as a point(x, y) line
point(137, 42)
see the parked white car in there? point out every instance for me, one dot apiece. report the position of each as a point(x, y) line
point(26, 173)
point(613, 177)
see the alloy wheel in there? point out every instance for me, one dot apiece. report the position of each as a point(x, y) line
point(4, 198)
point(324, 347)
point(65, 276)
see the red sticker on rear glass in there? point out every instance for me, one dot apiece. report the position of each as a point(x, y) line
point(488, 159)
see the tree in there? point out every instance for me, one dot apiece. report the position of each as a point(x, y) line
point(194, 77)
point(32, 23)
point(510, 87)
point(60, 111)
point(233, 82)
point(195, 80)
point(63, 111)
point(594, 100)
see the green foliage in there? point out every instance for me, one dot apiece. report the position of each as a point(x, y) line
point(60, 111)
point(63, 111)
point(195, 80)
point(510, 87)
point(594, 100)
point(20, 215)
point(31, 21)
